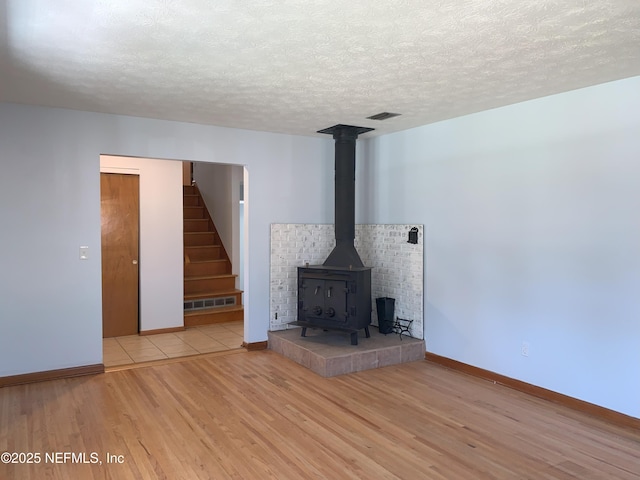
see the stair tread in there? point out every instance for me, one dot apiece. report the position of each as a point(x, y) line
point(213, 260)
point(200, 233)
point(216, 275)
point(213, 294)
point(203, 311)
point(202, 246)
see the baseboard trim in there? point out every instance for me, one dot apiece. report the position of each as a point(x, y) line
point(549, 395)
point(162, 330)
point(51, 375)
point(251, 347)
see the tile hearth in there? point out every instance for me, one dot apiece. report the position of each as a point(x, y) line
point(330, 353)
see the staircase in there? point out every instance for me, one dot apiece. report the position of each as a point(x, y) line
point(210, 293)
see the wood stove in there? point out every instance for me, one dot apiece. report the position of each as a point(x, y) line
point(337, 294)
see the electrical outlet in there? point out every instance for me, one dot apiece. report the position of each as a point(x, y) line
point(525, 349)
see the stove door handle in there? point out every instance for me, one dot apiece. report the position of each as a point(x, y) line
point(329, 292)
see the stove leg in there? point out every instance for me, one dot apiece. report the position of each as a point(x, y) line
point(354, 338)
point(366, 331)
point(304, 332)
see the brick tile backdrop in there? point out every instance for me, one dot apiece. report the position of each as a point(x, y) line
point(397, 267)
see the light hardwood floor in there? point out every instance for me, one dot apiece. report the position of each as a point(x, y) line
point(256, 415)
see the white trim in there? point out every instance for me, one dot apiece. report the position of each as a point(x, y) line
point(123, 170)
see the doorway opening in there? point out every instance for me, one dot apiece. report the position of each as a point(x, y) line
point(161, 292)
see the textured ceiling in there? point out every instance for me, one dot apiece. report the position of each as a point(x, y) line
point(296, 66)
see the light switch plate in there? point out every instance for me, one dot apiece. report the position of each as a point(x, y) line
point(84, 253)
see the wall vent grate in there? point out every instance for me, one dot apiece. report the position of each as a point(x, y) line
point(209, 303)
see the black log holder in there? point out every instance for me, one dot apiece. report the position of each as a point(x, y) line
point(402, 326)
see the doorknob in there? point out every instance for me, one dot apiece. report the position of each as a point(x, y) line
point(135, 262)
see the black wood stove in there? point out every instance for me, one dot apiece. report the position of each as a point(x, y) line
point(337, 294)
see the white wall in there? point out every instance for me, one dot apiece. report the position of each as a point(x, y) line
point(532, 233)
point(237, 174)
point(161, 252)
point(50, 301)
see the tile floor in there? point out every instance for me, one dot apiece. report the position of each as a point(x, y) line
point(118, 351)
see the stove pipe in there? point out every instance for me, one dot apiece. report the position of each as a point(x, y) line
point(345, 254)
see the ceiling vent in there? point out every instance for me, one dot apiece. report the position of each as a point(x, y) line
point(383, 116)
